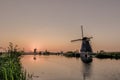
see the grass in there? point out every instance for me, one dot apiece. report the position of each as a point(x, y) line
point(112, 55)
point(101, 55)
point(71, 54)
point(10, 66)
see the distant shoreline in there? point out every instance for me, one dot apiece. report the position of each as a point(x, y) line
point(104, 55)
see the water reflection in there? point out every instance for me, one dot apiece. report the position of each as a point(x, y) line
point(35, 53)
point(34, 57)
point(86, 70)
point(63, 68)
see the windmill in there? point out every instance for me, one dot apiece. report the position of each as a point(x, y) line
point(86, 48)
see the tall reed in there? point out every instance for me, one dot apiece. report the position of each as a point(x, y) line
point(10, 66)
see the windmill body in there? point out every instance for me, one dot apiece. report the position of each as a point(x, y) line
point(86, 48)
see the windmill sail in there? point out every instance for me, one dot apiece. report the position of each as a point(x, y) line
point(76, 40)
point(82, 31)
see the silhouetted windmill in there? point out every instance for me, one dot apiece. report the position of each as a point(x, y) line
point(86, 48)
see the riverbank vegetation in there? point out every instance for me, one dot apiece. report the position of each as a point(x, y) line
point(100, 55)
point(71, 54)
point(10, 66)
point(112, 55)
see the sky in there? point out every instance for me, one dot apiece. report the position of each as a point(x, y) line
point(51, 24)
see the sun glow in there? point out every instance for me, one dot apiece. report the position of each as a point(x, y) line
point(35, 45)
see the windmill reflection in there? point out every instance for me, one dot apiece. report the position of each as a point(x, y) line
point(35, 53)
point(87, 71)
point(34, 57)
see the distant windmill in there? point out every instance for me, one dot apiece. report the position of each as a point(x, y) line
point(86, 48)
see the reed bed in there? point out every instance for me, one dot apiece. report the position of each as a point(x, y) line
point(10, 66)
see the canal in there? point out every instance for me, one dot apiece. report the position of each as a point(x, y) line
point(63, 68)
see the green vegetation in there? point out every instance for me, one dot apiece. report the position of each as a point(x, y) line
point(10, 66)
point(101, 54)
point(112, 55)
point(71, 54)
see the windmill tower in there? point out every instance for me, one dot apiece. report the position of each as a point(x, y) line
point(86, 48)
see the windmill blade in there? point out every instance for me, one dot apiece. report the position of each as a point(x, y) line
point(76, 40)
point(82, 31)
point(90, 37)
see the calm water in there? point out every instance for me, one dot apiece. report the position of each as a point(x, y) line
point(63, 68)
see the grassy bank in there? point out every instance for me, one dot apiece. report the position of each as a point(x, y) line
point(112, 55)
point(103, 55)
point(71, 54)
point(10, 66)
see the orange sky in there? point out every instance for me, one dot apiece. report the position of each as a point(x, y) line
point(51, 24)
